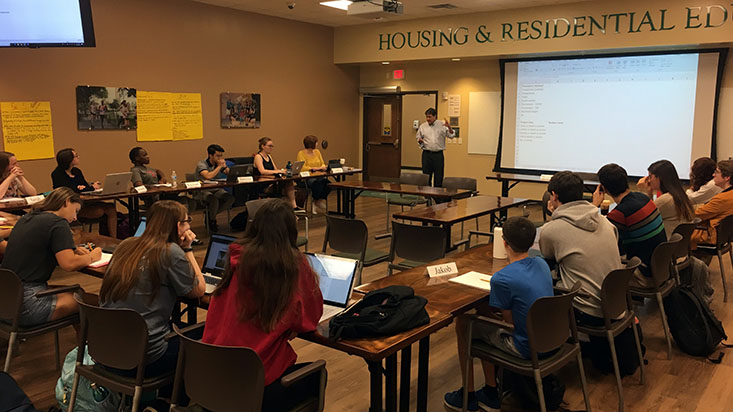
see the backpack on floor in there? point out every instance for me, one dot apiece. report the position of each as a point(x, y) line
point(599, 352)
point(693, 325)
point(89, 397)
point(524, 389)
point(381, 312)
point(12, 398)
point(697, 275)
point(239, 222)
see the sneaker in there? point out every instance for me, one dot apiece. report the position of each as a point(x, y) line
point(453, 401)
point(488, 399)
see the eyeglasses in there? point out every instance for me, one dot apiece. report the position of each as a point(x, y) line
point(189, 220)
point(269, 145)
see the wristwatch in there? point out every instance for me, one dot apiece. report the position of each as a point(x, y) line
point(187, 249)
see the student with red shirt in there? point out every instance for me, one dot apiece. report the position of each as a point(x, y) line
point(268, 295)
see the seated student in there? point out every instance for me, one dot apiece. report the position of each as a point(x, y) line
point(674, 205)
point(214, 167)
point(513, 291)
point(264, 165)
point(268, 295)
point(314, 162)
point(149, 273)
point(635, 216)
point(581, 241)
point(717, 208)
point(144, 175)
point(40, 241)
point(702, 187)
point(68, 174)
point(13, 182)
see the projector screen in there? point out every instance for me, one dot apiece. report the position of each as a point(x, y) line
point(46, 23)
point(579, 113)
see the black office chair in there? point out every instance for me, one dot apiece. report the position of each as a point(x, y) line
point(417, 179)
point(254, 205)
point(417, 245)
point(349, 238)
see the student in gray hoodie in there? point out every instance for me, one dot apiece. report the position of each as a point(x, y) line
point(583, 243)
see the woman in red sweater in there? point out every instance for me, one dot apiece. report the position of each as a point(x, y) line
point(268, 295)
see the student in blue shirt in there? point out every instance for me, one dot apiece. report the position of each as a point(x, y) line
point(513, 291)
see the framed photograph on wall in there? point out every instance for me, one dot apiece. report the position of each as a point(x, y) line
point(106, 108)
point(240, 110)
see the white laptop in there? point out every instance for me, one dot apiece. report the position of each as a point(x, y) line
point(297, 167)
point(215, 260)
point(114, 183)
point(336, 279)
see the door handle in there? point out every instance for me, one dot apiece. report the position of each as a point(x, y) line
point(396, 143)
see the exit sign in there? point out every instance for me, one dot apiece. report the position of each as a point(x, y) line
point(398, 74)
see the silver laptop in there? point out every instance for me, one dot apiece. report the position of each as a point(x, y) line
point(114, 183)
point(336, 279)
point(215, 260)
point(297, 167)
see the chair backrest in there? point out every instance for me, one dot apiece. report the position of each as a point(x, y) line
point(466, 183)
point(192, 177)
point(11, 296)
point(550, 322)
point(663, 259)
point(117, 338)
point(346, 235)
point(417, 179)
point(615, 291)
point(725, 231)
point(220, 378)
point(419, 243)
point(545, 211)
point(685, 230)
point(253, 206)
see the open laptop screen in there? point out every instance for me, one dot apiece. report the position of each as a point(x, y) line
point(141, 227)
point(216, 254)
point(336, 277)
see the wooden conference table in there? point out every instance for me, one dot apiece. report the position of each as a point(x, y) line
point(509, 180)
point(459, 210)
point(352, 190)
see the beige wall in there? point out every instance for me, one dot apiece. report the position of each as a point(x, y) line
point(413, 108)
point(184, 46)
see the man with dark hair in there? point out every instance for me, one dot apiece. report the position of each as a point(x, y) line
point(431, 139)
point(513, 291)
point(582, 243)
point(216, 200)
point(717, 208)
point(635, 216)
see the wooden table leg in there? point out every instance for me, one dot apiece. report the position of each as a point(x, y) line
point(391, 384)
point(375, 386)
point(405, 379)
point(422, 374)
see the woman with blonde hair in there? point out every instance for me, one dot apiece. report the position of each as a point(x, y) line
point(265, 166)
point(40, 241)
point(149, 273)
point(12, 179)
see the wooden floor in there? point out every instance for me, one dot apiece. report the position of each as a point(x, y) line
point(682, 384)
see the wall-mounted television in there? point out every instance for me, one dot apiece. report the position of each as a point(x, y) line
point(46, 23)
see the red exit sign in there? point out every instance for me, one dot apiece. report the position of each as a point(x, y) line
point(398, 74)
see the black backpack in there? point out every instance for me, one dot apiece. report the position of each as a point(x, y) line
point(524, 389)
point(693, 325)
point(382, 312)
point(599, 352)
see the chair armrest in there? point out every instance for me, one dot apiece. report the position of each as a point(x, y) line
point(168, 336)
point(318, 366)
point(495, 322)
point(55, 290)
point(382, 236)
point(480, 233)
point(460, 242)
point(563, 291)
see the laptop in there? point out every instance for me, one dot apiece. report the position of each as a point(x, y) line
point(239, 171)
point(336, 279)
point(114, 183)
point(334, 164)
point(215, 260)
point(138, 233)
point(297, 167)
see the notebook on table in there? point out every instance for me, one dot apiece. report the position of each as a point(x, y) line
point(336, 279)
point(113, 183)
point(215, 260)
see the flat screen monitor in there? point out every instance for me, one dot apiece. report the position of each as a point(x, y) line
point(581, 112)
point(46, 23)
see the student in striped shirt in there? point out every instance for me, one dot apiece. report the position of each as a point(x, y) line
point(638, 221)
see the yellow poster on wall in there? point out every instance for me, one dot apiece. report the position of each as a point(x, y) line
point(154, 116)
point(187, 120)
point(27, 129)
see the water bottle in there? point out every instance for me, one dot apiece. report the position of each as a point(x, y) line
point(289, 169)
point(174, 178)
point(100, 393)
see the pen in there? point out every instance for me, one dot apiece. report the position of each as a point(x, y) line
point(485, 280)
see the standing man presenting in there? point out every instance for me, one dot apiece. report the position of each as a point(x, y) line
point(431, 138)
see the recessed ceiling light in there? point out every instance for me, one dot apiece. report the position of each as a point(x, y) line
point(337, 4)
point(455, 59)
point(385, 62)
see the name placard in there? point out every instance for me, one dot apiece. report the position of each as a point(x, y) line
point(443, 269)
point(545, 178)
point(192, 185)
point(32, 200)
point(141, 189)
point(337, 170)
point(305, 174)
point(245, 179)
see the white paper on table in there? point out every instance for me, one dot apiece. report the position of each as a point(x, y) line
point(104, 261)
point(474, 279)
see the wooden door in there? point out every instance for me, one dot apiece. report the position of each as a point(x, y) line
point(382, 137)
